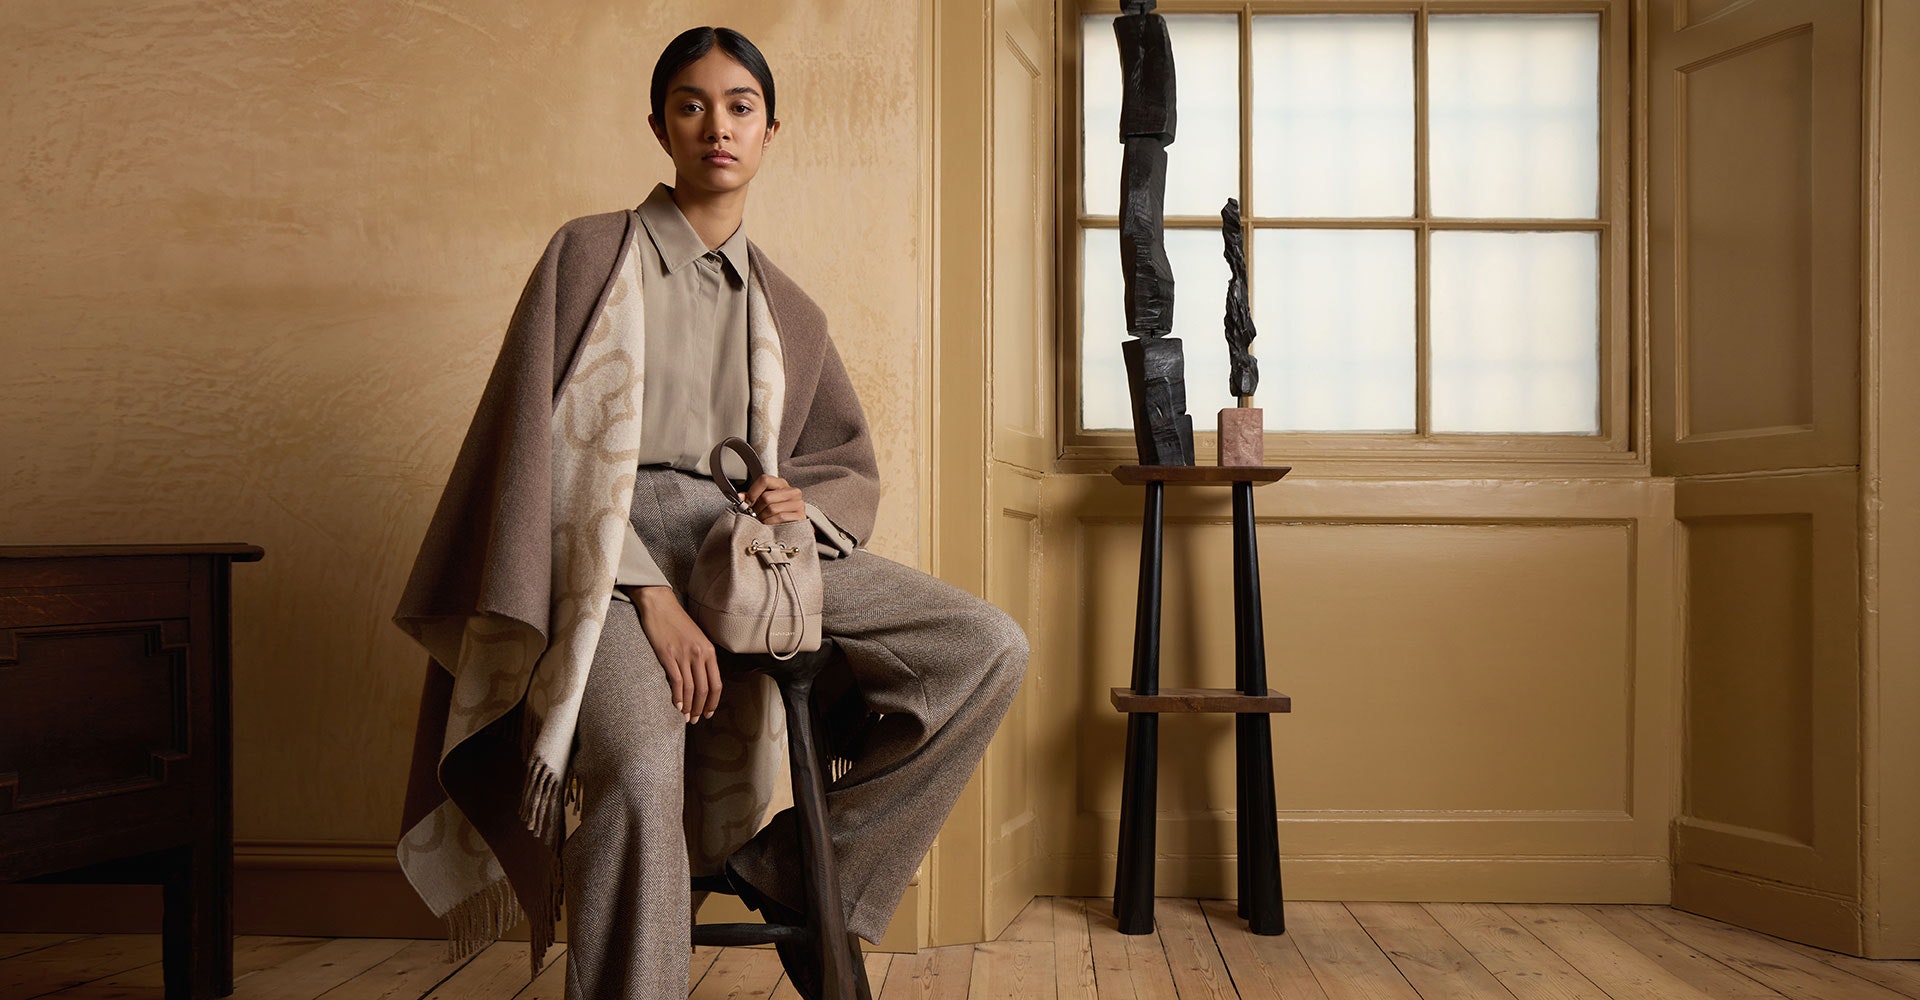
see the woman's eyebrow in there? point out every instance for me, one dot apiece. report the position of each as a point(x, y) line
point(697, 92)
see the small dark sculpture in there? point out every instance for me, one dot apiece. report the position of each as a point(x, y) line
point(1156, 369)
point(1245, 375)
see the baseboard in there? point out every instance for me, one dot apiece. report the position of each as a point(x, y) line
point(1823, 920)
point(1497, 879)
point(315, 889)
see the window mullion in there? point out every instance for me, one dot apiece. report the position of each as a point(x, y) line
point(1246, 155)
point(1422, 294)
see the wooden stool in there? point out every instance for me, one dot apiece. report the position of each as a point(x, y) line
point(1249, 699)
point(843, 973)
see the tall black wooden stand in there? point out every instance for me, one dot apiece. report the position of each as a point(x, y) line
point(1250, 700)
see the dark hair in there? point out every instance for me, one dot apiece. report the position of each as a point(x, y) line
point(691, 45)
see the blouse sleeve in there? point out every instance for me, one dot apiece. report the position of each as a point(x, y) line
point(637, 568)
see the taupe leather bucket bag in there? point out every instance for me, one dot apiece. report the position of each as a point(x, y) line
point(755, 587)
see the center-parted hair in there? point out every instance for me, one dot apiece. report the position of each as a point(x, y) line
point(690, 45)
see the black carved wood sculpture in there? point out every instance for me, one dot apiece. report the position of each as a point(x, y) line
point(1244, 377)
point(1156, 368)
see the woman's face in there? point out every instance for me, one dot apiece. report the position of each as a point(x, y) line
point(715, 125)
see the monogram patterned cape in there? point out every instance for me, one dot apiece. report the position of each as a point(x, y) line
point(510, 588)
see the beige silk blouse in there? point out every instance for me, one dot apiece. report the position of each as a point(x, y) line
point(695, 302)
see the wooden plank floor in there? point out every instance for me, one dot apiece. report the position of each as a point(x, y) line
point(1070, 949)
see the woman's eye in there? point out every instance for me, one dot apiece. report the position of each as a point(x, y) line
point(742, 109)
point(690, 108)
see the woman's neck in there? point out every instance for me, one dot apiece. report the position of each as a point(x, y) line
point(715, 217)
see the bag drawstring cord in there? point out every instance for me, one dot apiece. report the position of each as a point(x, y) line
point(785, 573)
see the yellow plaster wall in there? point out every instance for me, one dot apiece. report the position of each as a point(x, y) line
point(256, 259)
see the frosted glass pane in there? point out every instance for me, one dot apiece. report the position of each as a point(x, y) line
point(1333, 116)
point(1515, 115)
point(1334, 315)
point(1203, 164)
point(1515, 333)
point(1200, 293)
point(1099, 115)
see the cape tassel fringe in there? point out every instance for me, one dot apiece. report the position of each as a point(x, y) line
point(544, 799)
point(481, 919)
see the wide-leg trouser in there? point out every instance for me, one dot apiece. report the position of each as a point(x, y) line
point(940, 665)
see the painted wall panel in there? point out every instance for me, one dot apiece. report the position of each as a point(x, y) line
point(1482, 675)
point(257, 259)
point(1746, 132)
point(1749, 687)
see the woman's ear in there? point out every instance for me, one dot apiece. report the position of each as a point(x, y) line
point(659, 132)
point(772, 127)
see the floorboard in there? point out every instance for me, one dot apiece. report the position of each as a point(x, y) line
point(72, 963)
point(1343, 956)
point(930, 974)
point(1902, 977)
point(20, 944)
point(1524, 964)
point(1199, 971)
point(1697, 969)
point(1012, 970)
point(1072, 949)
point(498, 972)
point(1263, 967)
point(1435, 964)
point(313, 973)
point(740, 974)
point(1612, 964)
point(1762, 958)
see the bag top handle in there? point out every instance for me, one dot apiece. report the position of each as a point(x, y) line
point(752, 459)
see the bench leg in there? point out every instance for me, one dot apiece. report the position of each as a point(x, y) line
point(196, 929)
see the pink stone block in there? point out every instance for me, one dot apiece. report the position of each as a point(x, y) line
point(1243, 439)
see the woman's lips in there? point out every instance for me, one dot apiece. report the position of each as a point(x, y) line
point(719, 159)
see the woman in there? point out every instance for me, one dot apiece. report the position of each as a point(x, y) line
point(561, 546)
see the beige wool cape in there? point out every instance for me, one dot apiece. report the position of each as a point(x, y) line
point(510, 588)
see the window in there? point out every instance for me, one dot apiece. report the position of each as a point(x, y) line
point(1431, 199)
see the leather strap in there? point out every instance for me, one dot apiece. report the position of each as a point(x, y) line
point(752, 459)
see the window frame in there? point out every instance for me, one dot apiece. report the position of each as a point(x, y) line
point(1620, 445)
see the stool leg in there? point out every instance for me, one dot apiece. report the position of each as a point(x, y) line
point(1133, 873)
point(823, 902)
point(1256, 828)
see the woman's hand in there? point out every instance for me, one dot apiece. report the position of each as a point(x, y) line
point(685, 652)
point(774, 501)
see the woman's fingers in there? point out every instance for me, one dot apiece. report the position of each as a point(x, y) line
point(677, 681)
point(701, 684)
point(761, 485)
point(713, 684)
point(684, 652)
point(775, 501)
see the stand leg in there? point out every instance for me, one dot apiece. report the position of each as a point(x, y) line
point(1133, 876)
point(1133, 881)
point(1256, 830)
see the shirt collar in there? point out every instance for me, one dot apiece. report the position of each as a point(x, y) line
point(676, 240)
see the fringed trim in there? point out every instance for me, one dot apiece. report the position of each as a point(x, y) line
point(481, 919)
point(540, 925)
point(541, 801)
point(544, 797)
